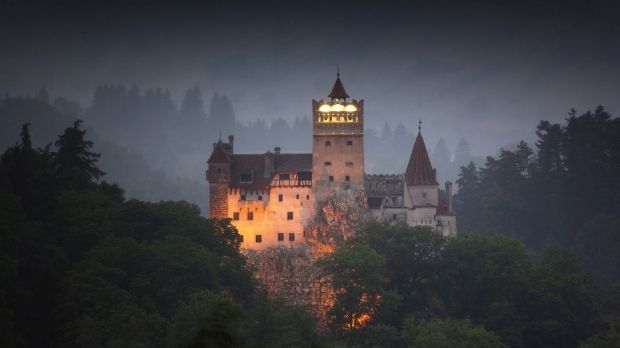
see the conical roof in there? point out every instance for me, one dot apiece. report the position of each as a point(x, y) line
point(338, 90)
point(419, 170)
point(219, 154)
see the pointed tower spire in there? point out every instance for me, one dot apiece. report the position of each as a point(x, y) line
point(419, 170)
point(338, 91)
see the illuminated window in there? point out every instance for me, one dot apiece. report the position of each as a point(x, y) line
point(280, 198)
point(236, 216)
point(280, 237)
point(250, 215)
point(289, 215)
point(259, 238)
point(291, 237)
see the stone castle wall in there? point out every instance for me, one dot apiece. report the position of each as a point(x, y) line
point(218, 200)
point(291, 275)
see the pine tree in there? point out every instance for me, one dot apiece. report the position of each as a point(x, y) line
point(74, 162)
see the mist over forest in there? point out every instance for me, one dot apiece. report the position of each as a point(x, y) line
point(109, 111)
point(157, 149)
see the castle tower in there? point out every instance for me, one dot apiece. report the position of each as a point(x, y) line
point(421, 187)
point(337, 142)
point(218, 176)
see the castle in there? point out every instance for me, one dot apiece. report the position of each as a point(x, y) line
point(271, 196)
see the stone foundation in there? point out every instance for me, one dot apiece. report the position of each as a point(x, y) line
point(291, 275)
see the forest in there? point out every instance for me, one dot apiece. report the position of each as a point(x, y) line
point(535, 263)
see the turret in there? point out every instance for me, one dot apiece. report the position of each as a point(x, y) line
point(218, 177)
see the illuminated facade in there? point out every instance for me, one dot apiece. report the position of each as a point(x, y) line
point(271, 196)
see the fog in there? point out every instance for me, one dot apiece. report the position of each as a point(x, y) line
point(482, 74)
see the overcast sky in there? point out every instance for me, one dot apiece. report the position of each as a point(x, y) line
point(487, 70)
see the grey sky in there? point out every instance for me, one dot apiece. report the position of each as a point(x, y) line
point(486, 70)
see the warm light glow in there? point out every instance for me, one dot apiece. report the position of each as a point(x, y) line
point(337, 107)
point(325, 108)
point(350, 108)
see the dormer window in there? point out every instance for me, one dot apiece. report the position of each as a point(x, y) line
point(246, 178)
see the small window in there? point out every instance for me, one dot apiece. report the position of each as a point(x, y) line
point(260, 198)
point(236, 216)
point(242, 197)
point(259, 238)
point(307, 196)
point(394, 217)
point(280, 198)
point(331, 178)
point(297, 196)
point(285, 176)
point(328, 163)
point(349, 142)
point(250, 215)
point(349, 164)
point(219, 170)
point(289, 215)
point(423, 194)
point(280, 237)
point(246, 178)
point(291, 237)
point(347, 178)
point(328, 143)
point(241, 238)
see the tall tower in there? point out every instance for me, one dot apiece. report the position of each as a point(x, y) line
point(218, 176)
point(337, 142)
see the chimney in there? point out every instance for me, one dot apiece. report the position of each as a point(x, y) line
point(276, 150)
point(449, 193)
point(268, 164)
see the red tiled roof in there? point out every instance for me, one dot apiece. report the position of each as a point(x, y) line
point(338, 90)
point(255, 164)
point(294, 162)
point(219, 154)
point(419, 170)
